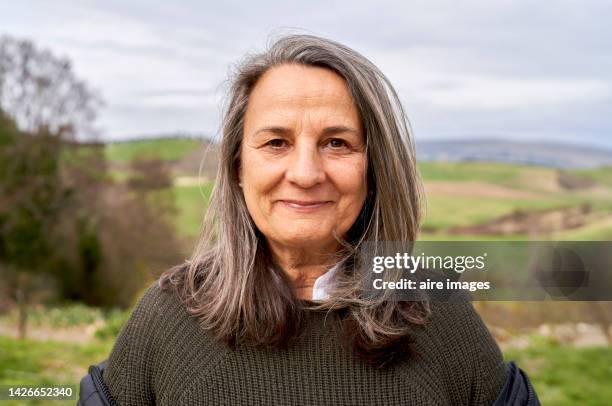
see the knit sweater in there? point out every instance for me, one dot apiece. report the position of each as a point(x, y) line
point(163, 357)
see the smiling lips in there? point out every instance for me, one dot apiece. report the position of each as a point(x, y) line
point(302, 205)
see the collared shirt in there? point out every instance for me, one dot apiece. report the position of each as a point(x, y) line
point(320, 289)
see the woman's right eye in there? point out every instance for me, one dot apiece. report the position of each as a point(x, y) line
point(276, 143)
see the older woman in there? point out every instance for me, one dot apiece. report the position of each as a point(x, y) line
point(316, 158)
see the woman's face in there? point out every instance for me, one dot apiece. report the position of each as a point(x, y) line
point(302, 158)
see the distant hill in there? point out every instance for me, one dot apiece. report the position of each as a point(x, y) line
point(551, 154)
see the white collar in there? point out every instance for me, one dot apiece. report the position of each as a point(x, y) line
point(320, 289)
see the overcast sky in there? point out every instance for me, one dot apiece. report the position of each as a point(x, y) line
point(513, 69)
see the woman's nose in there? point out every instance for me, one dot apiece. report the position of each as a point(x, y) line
point(305, 166)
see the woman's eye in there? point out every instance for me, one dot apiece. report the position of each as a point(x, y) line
point(276, 143)
point(337, 143)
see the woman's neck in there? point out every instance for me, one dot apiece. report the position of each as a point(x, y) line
point(304, 265)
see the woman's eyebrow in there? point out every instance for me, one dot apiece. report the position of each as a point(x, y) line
point(273, 129)
point(335, 129)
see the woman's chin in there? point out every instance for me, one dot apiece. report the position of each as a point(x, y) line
point(307, 240)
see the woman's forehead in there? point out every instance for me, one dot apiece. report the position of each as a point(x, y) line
point(301, 85)
point(289, 90)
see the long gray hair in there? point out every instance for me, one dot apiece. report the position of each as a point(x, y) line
point(231, 284)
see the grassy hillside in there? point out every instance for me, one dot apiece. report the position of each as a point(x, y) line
point(494, 172)
point(468, 193)
point(602, 174)
point(167, 149)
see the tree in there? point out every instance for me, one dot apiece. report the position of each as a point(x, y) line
point(65, 225)
point(42, 104)
point(115, 235)
point(68, 230)
point(32, 198)
point(41, 92)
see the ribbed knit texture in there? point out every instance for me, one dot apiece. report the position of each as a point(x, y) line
point(162, 357)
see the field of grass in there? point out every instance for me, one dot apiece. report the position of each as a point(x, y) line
point(425, 236)
point(567, 376)
point(167, 149)
point(30, 362)
point(602, 174)
point(535, 187)
point(598, 231)
point(494, 172)
point(191, 202)
point(445, 210)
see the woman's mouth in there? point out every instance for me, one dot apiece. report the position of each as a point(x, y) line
point(303, 205)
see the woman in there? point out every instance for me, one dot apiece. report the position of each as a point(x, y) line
point(316, 158)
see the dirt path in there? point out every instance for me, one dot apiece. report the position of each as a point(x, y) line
point(81, 334)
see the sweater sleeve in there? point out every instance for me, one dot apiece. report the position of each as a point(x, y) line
point(475, 371)
point(129, 374)
point(490, 370)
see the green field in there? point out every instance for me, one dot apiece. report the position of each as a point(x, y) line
point(602, 174)
point(191, 202)
point(494, 172)
point(167, 149)
point(32, 362)
point(446, 211)
point(567, 376)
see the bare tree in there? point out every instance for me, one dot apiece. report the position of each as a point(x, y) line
point(41, 92)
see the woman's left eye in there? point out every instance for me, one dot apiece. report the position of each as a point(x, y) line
point(337, 143)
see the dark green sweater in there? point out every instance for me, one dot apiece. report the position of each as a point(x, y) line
point(162, 357)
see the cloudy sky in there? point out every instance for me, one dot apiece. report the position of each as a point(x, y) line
point(511, 69)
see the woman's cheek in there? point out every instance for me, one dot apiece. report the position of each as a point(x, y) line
point(260, 171)
point(349, 175)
